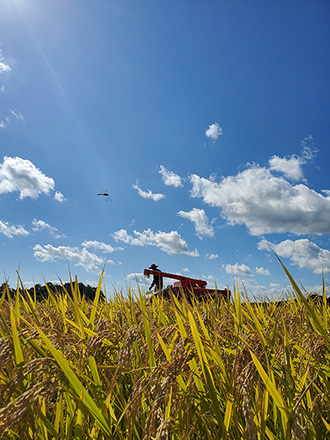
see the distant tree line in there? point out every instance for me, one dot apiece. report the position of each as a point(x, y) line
point(41, 292)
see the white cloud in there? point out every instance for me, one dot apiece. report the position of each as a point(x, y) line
point(170, 178)
point(308, 149)
point(148, 194)
point(209, 278)
point(59, 197)
point(302, 253)
point(211, 256)
point(103, 247)
point(137, 278)
point(265, 245)
point(290, 167)
point(13, 114)
point(237, 269)
point(262, 271)
point(123, 236)
point(10, 231)
point(265, 203)
point(92, 283)
point(40, 225)
point(214, 131)
point(16, 114)
point(4, 67)
point(21, 175)
point(81, 257)
point(170, 242)
point(200, 220)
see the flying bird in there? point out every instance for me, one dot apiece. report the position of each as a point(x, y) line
point(104, 194)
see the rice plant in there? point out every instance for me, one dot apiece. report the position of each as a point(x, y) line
point(126, 368)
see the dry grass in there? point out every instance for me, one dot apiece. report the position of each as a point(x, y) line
point(128, 369)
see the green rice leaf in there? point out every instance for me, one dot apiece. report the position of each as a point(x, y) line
point(147, 331)
point(228, 416)
point(94, 370)
point(96, 299)
point(19, 358)
point(326, 424)
point(271, 387)
point(317, 325)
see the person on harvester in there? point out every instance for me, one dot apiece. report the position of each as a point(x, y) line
point(158, 280)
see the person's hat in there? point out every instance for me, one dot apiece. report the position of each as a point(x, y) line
point(153, 266)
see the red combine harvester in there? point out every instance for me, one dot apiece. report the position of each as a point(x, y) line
point(186, 286)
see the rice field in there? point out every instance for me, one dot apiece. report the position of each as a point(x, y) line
point(126, 368)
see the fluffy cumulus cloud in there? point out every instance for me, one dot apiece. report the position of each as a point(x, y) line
point(170, 178)
point(10, 230)
point(169, 242)
point(148, 194)
point(214, 131)
point(211, 256)
point(200, 220)
point(23, 176)
point(103, 247)
point(262, 271)
point(265, 203)
point(303, 253)
point(291, 166)
point(59, 197)
point(40, 225)
point(81, 257)
point(238, 269)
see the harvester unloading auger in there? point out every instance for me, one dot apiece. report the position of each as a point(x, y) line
point(186, 286)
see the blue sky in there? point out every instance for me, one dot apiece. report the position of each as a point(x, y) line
point(206, 121)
